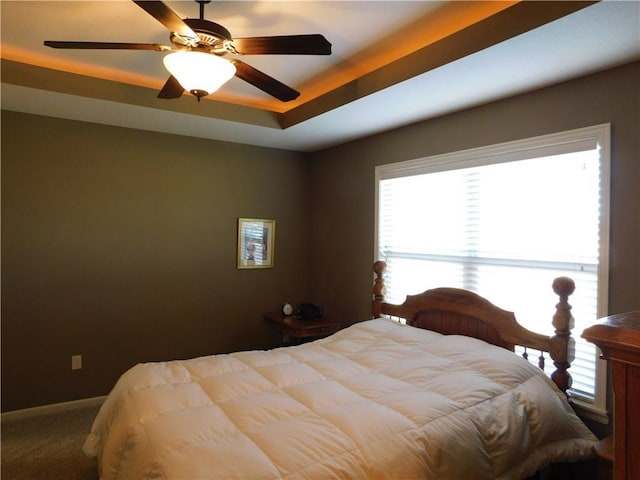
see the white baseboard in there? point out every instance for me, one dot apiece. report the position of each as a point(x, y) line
point(52, 408)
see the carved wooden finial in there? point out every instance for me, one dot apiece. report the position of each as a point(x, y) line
point(380, 267)
point(379, 289)
point(562, 344)
point(563, 287)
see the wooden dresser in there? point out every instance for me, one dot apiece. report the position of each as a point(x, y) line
point(618, 337)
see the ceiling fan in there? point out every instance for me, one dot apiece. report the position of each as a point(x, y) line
point(203, 44)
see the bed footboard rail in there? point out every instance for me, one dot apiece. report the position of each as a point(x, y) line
point(453, 311)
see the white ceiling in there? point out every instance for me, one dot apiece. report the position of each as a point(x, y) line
point(594, 38)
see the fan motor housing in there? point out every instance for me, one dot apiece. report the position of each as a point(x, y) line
point(213, 36)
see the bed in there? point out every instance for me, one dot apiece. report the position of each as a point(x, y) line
point(442, 397)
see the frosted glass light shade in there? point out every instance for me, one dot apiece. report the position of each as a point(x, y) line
point(199, 73)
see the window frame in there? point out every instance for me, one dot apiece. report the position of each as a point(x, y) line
point(539, 146)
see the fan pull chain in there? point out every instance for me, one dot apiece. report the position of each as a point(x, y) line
point(525, 355)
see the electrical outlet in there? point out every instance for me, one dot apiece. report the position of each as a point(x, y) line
point(76, 362)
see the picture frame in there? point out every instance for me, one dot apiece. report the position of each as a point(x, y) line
point(256, 241)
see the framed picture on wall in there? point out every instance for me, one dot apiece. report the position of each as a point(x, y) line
point(256, 240)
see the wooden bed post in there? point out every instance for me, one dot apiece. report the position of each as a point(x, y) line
point(379, 289)
point(562, 345)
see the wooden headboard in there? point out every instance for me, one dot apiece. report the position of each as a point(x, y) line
point(453, 311)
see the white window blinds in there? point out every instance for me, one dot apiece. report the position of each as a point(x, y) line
point(504, 221)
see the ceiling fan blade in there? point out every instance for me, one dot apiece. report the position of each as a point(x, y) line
point(171, 89)
point(169, 19)
point(108, 45)
point(264, 82)
point(314, 44)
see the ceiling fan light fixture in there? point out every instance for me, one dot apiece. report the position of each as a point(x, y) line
point(199, 73)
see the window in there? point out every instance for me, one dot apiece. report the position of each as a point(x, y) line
point(504, 221)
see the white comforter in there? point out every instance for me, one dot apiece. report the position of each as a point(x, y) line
point(376, 400)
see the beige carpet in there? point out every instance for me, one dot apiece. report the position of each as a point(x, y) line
point(48, 446)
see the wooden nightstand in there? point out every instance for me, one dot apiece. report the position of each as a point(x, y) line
point(294, 329)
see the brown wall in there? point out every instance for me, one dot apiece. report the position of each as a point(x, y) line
point(343, 179)
point(120, 245)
